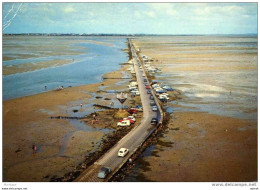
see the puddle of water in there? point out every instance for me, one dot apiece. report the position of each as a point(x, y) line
point(47, 111)
point(241, 129)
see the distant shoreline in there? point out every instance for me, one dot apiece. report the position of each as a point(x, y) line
point(131, 35)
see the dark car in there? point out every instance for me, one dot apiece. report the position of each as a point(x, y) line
point(153, 82)
point(163, 99)
point(152, 103)
point(154, 121)
point(145, 80)
point(103, 172)
point(132, 110)
point(149, 92)
point(151, 97)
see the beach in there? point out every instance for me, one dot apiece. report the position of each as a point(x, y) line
point(212, 132)
point(62, 144)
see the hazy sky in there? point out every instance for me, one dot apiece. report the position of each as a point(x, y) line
point(129, 18)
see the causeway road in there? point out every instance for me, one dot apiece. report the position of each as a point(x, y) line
point(132, 140)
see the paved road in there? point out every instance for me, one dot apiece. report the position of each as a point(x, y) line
point(131, 141)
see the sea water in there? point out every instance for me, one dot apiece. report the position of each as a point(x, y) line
point(95, 59)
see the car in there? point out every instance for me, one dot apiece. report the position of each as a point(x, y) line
point(152, 103)
point(124, 123)
point(122, 152)
point(154, 108)
point(149, 91)
point(147, 87)
point(131, 118)
point(168, 88)
point(137, 93)
point(132, 110)
point(151, 97)
point(145, 80)
point(138, 108)
point(146, 83)
point(124, 119)
point(163, 99)
point(153, 82)
point(154, 121)
point(103, 172)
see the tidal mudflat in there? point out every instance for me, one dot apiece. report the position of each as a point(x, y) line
point(62, 144)
point(212, 133)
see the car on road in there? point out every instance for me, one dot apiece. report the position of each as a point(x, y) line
point(154, 108)
point(122, 152)
point(154, 121)
point(145, 80)
point(103, 172)
point(149, 91)
point(151, 97)
point(147, 87)
point(152, 103)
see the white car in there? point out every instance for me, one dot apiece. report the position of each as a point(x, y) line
point(131, 117)
point(163, 96)
point(154, 108)
point(122, 152)
point(136, 92)
point(124, 123)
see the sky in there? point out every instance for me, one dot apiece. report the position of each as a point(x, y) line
point(130, 18)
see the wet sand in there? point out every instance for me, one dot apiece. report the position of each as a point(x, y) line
point(61, 146)
point(27, 67)
point(198, 146)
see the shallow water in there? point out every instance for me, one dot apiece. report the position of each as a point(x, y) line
point(222, 82)
point(206, 91)
point(87, 68)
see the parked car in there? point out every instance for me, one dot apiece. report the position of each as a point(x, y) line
point(154, 121)
point(132, 110)
point(145, 80)
point(163, 99)
point(151, 97)
point(103, 172)
point(153, 82)
point(168, 88)
point(124, 123)
point(147, 87)
point(149, 92)
point(124, 119)
point(154, 108)
point(137, 93)
point(122, 152)
point(139, 108)
point(131, 118)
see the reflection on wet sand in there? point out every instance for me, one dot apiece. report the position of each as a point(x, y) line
point(217, 75)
